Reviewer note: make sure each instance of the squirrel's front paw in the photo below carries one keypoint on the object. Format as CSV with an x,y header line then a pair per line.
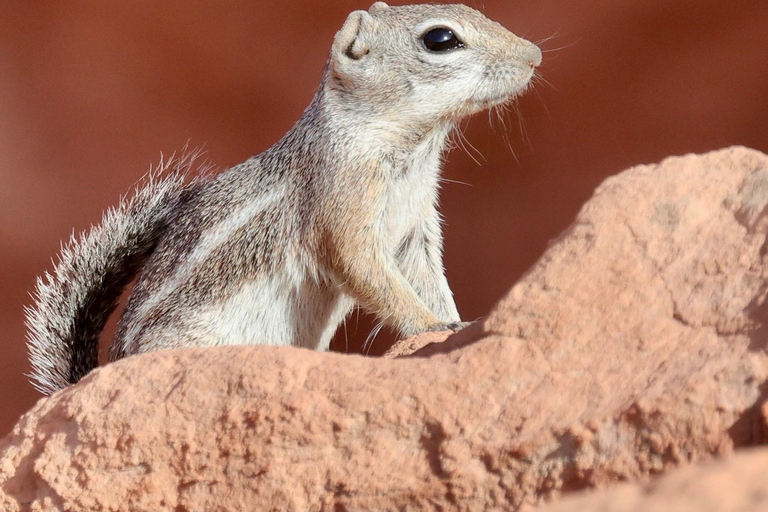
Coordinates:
x,y
450,326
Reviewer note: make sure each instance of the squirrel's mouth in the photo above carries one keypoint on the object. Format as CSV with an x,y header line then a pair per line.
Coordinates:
x,y
507,90
499,90
500,99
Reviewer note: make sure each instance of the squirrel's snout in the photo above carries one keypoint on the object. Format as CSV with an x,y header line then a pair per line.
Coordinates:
x,y
533,56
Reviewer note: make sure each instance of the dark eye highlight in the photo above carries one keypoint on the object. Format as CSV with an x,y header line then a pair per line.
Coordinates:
x,y
441,39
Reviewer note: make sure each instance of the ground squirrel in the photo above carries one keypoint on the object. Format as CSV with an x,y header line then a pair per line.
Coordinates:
x,y
279,249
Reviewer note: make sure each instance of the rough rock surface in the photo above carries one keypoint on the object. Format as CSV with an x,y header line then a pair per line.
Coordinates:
x,y
736,484
635,345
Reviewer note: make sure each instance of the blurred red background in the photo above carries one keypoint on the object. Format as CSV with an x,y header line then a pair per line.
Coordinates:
x,y
91,92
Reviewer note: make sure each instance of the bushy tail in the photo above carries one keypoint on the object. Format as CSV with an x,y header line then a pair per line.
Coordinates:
x,y
72,304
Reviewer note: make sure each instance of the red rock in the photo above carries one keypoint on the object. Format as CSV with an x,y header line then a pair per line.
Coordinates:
x,y
637,344
736,484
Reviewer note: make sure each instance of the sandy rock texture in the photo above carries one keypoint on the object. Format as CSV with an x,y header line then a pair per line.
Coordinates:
x,y
636,345
736,484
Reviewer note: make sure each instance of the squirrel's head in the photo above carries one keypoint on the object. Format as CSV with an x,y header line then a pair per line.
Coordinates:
x,y
426,63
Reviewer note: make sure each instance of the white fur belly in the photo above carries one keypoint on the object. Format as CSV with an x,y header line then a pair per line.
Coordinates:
x,y
274,311
259,313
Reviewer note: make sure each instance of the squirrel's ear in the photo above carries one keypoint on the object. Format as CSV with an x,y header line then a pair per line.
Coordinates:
x,y
377,8
351,41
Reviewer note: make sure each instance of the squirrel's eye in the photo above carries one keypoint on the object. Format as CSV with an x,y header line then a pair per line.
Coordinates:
x,y
441,39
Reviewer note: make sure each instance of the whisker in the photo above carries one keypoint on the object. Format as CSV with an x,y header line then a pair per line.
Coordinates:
x,y
540,79
521,124
368,344
546,39
462,142
503,110
346,338
468,143
446,180
541,99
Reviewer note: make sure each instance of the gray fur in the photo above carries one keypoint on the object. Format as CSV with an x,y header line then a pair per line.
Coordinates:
x,y
341,211
73,303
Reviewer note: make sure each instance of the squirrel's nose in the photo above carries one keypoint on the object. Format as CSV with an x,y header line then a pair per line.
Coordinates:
x,y
533,56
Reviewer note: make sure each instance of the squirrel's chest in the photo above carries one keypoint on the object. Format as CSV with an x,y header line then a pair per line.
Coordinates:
x,y
412,191
410,200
